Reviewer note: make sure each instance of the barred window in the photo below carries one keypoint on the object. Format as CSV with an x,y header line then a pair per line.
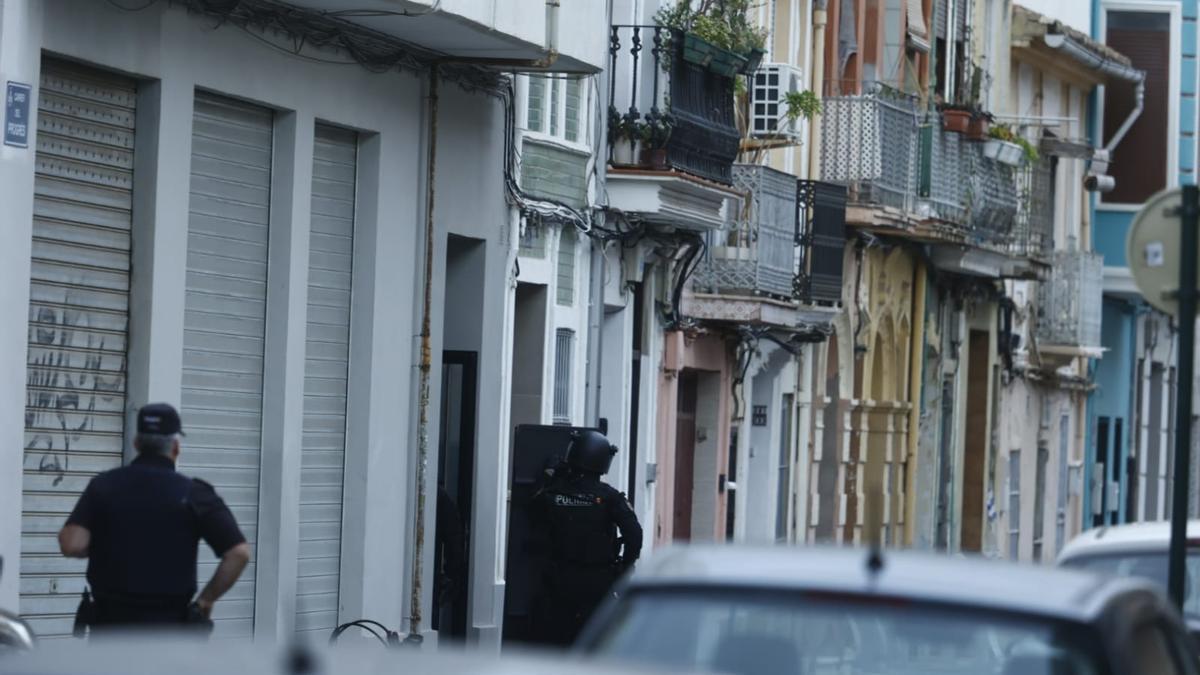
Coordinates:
x,y
564,348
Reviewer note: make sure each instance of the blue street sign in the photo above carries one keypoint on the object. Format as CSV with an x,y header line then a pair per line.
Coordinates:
x,y
16,115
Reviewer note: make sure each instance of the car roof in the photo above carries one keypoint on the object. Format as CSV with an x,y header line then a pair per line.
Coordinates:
x,y
157,654
1151,536
968,582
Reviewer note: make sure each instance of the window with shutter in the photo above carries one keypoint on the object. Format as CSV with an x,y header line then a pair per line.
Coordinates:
x,y
1139,163
566,267
916,19
821,232
564,346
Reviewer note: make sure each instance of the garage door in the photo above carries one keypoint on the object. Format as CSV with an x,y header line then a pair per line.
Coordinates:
x,y
327,358
78,316
225,317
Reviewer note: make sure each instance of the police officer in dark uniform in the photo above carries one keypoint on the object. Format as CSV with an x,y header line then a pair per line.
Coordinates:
x,y
582,515
140,525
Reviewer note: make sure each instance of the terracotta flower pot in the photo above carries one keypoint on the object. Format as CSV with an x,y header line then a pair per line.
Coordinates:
x,y
977,130
655,158
957,121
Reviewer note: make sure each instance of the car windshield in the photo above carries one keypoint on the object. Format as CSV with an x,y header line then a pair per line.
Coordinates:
x,y
752,633
1150,565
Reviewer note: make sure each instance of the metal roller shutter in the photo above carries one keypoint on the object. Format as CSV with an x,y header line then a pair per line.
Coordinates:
x,y
225,321
327,359
78,318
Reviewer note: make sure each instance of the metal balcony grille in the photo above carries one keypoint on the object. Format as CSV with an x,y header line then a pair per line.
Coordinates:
x,y
821,236
993,201
1033,229
1069,302
650,79
787,243
969,195
756,255
869,143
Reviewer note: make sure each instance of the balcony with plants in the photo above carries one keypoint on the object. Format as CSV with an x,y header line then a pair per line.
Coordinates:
x,y
673,133
944,174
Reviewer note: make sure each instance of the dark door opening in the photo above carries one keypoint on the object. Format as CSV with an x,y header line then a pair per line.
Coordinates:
x,y
635,382
685,456
1100,470
976,442
456,484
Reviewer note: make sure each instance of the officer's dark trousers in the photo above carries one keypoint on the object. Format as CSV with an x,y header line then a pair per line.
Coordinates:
x,y
575,593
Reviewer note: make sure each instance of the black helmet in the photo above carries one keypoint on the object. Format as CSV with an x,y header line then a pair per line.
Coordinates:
x,y
590,451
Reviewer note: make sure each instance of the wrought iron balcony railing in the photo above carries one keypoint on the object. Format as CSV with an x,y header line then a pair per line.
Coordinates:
x,y
651,82
787,242
869,143
1069,302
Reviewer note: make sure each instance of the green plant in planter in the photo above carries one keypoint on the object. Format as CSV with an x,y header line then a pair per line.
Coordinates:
x,y
655,133
722,23
1005,132
618,126
802,104
1002,132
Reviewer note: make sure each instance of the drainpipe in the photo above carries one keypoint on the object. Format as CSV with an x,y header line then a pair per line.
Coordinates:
x,y
1109,67
820,17
414,627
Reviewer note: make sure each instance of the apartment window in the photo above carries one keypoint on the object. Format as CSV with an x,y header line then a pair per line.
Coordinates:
x,y
557,107
566,266
1139,163
564,348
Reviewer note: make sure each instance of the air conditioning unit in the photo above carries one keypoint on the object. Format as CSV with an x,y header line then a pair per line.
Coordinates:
x,y
769,88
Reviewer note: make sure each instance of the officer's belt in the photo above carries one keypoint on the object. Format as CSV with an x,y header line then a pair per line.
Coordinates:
x,y
140,600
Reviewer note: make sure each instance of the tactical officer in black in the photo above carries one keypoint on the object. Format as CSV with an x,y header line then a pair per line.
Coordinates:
x,y
582,515
140,525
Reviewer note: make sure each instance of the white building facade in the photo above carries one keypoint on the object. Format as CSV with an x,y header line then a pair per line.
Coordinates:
x,y
236,221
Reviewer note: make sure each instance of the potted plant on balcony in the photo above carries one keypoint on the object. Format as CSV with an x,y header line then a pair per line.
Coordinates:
x,y
979,126
717,34
625,138
655,134
956,118
1007,147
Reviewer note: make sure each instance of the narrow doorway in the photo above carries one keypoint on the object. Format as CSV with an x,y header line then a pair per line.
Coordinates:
x,y
685,455
529,354
635,384
1100,471
456,473
975,442
462,330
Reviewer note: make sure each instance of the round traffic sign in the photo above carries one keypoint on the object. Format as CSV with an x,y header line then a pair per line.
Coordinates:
x,y
1152,249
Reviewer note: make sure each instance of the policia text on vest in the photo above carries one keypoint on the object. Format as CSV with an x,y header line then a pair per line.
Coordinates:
x,y
140,526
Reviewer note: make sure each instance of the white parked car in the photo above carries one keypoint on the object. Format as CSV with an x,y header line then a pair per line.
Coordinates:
x,y
166,654
817,611
1139,549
